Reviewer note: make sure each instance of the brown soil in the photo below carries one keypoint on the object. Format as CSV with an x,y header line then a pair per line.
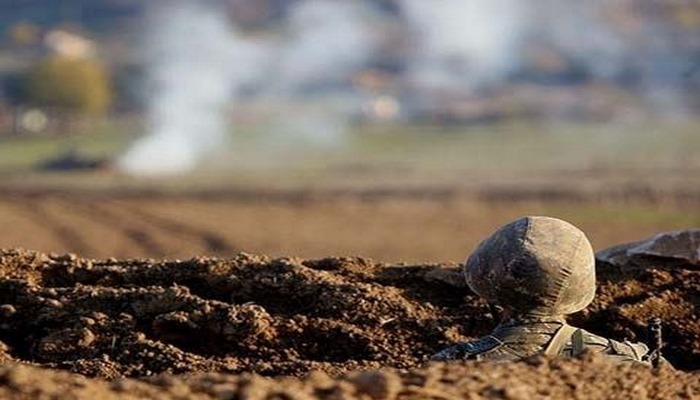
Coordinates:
x,y
415,226
586,378
222,319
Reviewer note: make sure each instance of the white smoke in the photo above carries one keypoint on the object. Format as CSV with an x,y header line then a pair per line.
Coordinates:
x,y
325,42
197,65
194,62
463,43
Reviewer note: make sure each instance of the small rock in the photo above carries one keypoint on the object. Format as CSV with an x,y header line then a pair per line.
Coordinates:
x,y
679,245
7,310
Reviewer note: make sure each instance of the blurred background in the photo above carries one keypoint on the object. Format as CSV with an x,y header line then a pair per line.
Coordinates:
x,y
403,130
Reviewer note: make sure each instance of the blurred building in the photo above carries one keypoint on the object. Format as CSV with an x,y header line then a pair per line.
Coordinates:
x,y
69,44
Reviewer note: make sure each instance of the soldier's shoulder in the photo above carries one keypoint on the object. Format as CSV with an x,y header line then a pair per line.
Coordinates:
x,y
468,350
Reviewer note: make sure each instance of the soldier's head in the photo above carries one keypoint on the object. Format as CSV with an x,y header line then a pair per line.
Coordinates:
x,y
537,266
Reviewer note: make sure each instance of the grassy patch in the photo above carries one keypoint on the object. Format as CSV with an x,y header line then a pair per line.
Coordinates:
x,y
21,153
505,154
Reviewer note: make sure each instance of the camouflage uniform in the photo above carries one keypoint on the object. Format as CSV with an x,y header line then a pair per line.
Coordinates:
x,y
539,269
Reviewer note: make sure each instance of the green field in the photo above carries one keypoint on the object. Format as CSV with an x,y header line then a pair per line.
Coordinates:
x,y
658,155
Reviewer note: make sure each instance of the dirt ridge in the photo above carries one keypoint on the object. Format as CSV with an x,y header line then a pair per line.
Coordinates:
x,y
118,319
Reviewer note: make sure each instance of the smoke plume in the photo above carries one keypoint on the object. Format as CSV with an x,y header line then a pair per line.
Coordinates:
x,y
198,64
463,43
325,43
191,61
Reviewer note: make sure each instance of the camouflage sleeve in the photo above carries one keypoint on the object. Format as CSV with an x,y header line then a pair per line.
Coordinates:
x,y
467,350
456,352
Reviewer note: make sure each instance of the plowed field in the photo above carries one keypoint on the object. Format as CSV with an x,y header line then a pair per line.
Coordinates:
x,y
392,226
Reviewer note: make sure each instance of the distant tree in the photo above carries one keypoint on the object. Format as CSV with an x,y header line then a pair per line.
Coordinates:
x,y
24,34
80,86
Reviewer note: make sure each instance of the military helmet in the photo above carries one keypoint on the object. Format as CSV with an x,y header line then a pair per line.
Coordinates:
x,y
536,266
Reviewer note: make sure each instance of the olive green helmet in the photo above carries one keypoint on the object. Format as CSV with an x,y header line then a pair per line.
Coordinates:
x,y
536,266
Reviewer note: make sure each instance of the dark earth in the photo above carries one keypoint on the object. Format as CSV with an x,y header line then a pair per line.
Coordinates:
x,y
253,327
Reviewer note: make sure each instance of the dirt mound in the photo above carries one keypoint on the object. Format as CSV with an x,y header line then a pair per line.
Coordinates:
x,y
587,378
138,318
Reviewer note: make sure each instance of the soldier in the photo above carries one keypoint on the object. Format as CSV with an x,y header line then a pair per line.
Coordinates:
x,y
538,269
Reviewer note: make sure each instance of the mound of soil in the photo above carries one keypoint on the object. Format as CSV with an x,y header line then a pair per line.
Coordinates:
x,y
587,378
119,319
